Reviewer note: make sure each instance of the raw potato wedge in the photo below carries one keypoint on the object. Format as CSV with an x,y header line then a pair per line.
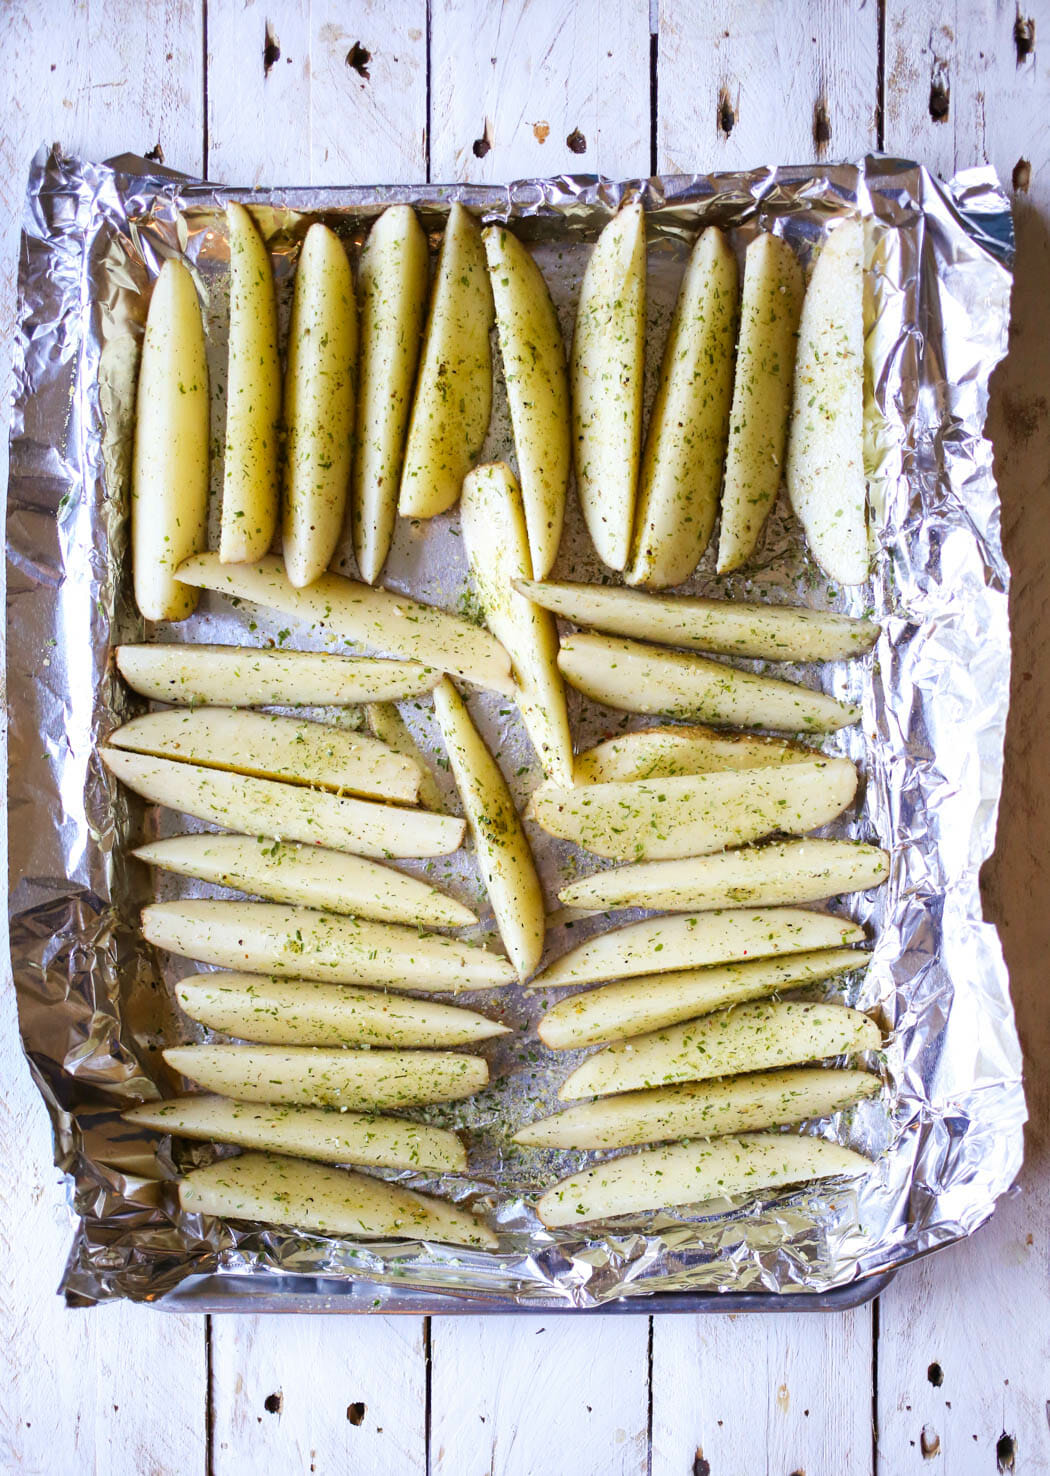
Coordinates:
x,y
664,753
453,401
634,677
765,368
169,472
691,941
285,871
342,609
305,1012
660,819
267,807
825,457
494,534
748,1037
652,1001
253,397
392,281
311,1077
309,1132
725,627
318,405
249,676
311,1196
390,728
692,1173
686,445
737,1104
274,939
504,858
784,871
607,369
537,382
273,747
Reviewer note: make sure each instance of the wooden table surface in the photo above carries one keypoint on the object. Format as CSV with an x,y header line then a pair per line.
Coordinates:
x,y
950,1369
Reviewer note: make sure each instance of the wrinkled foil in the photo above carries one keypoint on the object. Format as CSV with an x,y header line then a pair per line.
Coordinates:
x,y
96,1004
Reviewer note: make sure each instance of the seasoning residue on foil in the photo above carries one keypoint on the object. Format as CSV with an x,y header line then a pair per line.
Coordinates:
x,y
96,1004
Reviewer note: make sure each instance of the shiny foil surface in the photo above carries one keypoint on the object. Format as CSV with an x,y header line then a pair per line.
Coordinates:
x,y
96,1004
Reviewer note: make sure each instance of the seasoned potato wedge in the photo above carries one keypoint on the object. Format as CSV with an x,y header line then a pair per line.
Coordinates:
x,y
692,1173
494,533
537,389
825,457
253,397
647,1002
311,1196
392,280
341,609
657,819
755,876
663,753
748,1037
634,677
390,728
305,1012
273,747
308,1132
285,811
453,401
169,472
285,871
691,941
503,853
686,445
607,369
275,939
710,1109
765,370
318,405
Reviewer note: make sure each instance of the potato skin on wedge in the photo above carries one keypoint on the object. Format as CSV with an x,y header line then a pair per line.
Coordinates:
x,y
664,753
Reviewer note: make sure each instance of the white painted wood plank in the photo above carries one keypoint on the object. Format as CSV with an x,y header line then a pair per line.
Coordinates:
x,y
524,89
743,83
259,92
521,1396
325,1395
964,1338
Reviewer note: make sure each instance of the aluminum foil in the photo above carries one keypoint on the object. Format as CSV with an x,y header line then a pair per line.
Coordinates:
x,y
96,1004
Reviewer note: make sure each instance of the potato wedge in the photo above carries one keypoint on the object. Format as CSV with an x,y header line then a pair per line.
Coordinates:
x,y
753,876
693,940
735,1104
494,534
319,381
250,488
503,854
169,472
272,747
607,370
278,940
312,1077
748,1037
663,753
285,871
453,401
689,424
693,1173
724,627
392,280
308,1132
311,1196
267,807
305,1012
825,456
389,727
765,369
342,609
658,819
537,381
634,677
250,676
648,1002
